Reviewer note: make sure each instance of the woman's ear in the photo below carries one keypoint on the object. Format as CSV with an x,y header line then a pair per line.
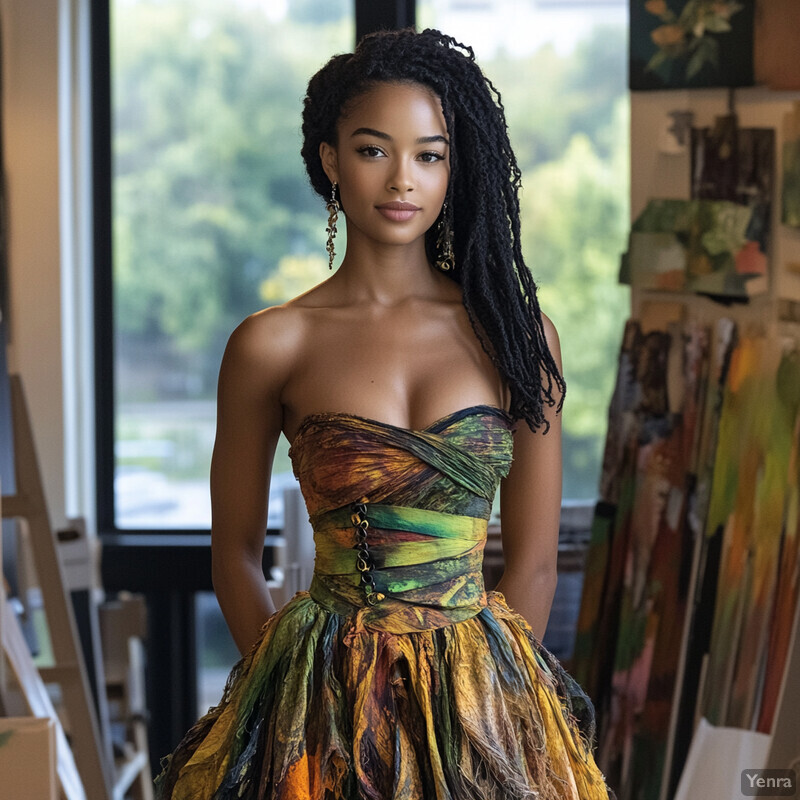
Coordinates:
x,y
330,161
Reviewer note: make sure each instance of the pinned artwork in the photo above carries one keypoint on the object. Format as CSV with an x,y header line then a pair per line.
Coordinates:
x,y
738,165
702,246
679,44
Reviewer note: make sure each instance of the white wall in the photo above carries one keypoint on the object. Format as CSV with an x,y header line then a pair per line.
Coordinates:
x,y
31,132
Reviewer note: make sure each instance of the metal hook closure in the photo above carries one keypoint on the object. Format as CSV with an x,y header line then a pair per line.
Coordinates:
x,y
358,518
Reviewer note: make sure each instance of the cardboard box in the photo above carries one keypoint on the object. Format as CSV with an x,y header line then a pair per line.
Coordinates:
x,y
28,759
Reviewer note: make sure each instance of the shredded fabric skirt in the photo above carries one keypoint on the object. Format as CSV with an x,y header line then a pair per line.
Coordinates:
x,y
323,709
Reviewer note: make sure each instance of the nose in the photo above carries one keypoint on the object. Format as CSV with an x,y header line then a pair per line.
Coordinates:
x,y
400,179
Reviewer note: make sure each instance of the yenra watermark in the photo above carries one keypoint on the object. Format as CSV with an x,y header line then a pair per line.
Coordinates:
x,y
769,782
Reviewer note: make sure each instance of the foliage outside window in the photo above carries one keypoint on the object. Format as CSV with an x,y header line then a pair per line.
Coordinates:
x,y
213,219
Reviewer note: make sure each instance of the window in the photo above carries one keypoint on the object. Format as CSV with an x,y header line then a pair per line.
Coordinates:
x,y
213,219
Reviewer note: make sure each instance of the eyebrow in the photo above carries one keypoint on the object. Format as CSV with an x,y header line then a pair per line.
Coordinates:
x,y
381,135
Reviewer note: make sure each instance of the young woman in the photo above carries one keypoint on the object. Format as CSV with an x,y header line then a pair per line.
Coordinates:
x,y
411,383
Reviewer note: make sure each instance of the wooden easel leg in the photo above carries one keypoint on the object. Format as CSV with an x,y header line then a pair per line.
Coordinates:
x,y
70,670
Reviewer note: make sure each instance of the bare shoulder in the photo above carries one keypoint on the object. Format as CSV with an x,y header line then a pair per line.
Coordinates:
x,y
553,342
550,332
266,343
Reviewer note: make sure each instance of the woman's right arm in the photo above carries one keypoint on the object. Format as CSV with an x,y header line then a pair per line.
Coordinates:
x,y
249,421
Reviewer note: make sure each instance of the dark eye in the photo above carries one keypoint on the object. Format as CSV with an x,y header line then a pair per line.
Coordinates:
x,y
431,156
370,151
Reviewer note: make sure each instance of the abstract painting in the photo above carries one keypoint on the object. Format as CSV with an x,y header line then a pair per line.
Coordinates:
x,y
634,605
754,502
695,550
708,247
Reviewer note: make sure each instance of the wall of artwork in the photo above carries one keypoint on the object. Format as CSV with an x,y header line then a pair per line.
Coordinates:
x,y
691,589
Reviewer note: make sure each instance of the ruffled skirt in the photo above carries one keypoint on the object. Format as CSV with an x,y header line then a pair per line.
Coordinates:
x,y
324,708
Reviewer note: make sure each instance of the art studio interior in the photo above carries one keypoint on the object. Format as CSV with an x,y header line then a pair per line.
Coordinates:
x,y
152,196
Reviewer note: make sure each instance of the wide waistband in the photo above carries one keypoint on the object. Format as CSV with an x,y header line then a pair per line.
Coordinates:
x,y
400,568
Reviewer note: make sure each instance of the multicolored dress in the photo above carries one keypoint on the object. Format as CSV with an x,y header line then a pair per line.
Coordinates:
x,y
396,676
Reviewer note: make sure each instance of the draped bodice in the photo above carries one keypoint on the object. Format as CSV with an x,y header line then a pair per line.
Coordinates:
x,y
400,515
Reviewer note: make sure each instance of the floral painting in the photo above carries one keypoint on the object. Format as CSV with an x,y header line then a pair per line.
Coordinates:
x,y
678,44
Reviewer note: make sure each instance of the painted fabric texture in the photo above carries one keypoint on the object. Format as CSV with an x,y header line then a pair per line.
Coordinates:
x,y
396,676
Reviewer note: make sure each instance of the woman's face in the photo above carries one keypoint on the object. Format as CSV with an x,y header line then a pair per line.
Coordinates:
x,y
392,163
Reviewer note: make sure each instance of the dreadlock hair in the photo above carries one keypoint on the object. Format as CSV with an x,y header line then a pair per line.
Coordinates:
x,y
498,290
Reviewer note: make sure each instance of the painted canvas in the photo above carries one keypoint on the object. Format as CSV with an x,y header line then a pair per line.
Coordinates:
x,y
738,165
708,247
702,592
654,588
752,491
679,44
787,589
637,591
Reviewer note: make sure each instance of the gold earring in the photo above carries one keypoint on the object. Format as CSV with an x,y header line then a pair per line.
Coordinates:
x,y
333,215
444,243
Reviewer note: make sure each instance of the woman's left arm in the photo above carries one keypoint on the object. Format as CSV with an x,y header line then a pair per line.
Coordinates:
x,y
530,512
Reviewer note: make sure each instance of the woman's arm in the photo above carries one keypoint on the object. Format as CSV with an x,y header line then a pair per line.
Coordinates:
x,y
530,511
249,420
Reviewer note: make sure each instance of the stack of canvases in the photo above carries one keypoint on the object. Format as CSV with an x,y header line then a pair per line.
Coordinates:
x,y
692,573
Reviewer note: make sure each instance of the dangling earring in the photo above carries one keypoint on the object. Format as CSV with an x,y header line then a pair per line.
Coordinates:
x,y
444,243
333,215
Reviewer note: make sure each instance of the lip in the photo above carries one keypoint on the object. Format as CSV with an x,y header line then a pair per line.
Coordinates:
x,y
398,211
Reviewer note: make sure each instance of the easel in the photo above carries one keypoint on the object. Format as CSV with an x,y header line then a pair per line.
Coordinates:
x,y
37,700
29,506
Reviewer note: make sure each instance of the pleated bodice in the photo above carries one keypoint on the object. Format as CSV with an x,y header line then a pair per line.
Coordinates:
x,y
400,515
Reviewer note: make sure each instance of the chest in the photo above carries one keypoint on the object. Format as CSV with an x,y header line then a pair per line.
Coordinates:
x,y
405,368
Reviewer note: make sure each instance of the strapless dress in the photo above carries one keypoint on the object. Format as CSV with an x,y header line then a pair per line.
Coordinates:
x,y
396,676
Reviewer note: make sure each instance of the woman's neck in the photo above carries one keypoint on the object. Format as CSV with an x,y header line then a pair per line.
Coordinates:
x,y
386,274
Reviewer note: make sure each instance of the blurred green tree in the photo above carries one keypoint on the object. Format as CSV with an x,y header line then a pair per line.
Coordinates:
x,y
209,189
